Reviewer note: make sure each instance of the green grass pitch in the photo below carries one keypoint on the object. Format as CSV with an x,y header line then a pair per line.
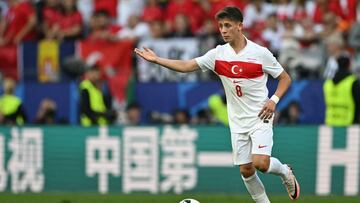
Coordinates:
x,y
168,198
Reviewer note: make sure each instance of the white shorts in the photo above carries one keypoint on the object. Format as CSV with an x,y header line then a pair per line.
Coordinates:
x,y
256,141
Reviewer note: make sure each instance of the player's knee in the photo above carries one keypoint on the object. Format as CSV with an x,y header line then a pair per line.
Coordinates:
x,y
262,165
247,170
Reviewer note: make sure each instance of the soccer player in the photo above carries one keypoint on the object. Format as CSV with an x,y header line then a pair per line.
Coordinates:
x,y
243,68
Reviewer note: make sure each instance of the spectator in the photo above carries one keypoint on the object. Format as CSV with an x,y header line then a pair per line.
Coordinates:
x,y
216,5
102,29
344,10
285,10
354,42
152,11
299,10
320,9
191,9
181,116
342,96
301,51
11,109
70,25
95,110
133,114
86,8
46,113
330,26
157,29
255,15
273,34
257,12
290,115
109,6
126,8
181,27
19,23
61,20
335,46
203,117
306,32
217,105
50,17
209,36
135,29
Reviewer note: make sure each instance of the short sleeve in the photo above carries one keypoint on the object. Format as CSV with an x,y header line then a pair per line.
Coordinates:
x,y
271,65
207,61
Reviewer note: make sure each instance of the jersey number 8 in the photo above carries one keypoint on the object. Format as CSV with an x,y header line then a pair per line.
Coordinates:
x,y
238,90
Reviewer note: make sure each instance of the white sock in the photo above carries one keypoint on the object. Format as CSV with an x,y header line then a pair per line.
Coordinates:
x,y
277,168
256,189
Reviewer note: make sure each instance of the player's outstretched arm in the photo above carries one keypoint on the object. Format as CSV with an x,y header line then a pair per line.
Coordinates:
x,y
183,66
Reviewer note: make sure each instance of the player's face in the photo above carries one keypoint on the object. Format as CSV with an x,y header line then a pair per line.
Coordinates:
x,y
230,30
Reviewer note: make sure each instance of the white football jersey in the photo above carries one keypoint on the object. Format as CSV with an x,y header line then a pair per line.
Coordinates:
x,y
244,76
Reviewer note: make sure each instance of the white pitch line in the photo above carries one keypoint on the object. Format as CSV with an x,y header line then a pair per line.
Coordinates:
x,y
215,159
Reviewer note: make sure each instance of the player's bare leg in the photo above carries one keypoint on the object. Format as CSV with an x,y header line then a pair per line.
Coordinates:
x,y
253,183
267,164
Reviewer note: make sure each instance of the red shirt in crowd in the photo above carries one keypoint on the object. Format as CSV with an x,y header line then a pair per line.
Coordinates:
x,y
152,13
300,14
217,5
189,8
112,29
348,13
51,16
17,17
108,5
70,20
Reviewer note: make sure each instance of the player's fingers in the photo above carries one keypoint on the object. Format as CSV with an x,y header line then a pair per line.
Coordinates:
x,y
266,120
269,115
140,53
263,115
261,112
137,50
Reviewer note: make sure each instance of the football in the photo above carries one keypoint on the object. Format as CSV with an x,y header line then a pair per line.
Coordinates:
x,y
189,201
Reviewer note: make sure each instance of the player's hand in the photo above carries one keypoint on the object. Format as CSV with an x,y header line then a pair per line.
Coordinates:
x,y
268,110
147,54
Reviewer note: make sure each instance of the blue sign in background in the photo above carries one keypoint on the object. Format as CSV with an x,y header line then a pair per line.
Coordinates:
x,y
166,97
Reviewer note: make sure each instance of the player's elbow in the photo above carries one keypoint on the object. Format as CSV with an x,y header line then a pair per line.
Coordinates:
x,y
189,66
184,70
285,77
288,78
187,70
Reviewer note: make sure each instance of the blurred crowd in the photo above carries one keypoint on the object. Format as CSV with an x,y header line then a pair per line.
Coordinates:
x,y
307,36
